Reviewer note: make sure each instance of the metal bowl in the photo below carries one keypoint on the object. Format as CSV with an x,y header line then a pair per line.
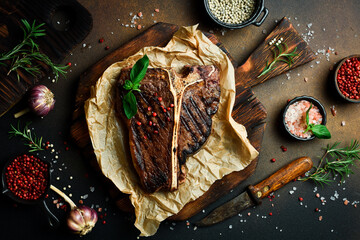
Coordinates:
x,y
260,8
336,82
314,102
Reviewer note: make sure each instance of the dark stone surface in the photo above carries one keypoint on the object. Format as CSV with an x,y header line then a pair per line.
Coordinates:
x,y
290,220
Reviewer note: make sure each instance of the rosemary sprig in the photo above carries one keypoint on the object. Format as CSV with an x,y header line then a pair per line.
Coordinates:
x,y
32,141
282,55
25,54
341,161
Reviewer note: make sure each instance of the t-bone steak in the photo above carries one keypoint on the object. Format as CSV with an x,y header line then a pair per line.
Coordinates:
x,y
173,121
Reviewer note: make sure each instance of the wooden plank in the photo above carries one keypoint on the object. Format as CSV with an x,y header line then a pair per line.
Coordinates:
x,y
251,69
56,44
245,103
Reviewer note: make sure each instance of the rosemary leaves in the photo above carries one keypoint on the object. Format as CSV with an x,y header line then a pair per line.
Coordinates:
x,y
281,55
335,160
32,141
26,55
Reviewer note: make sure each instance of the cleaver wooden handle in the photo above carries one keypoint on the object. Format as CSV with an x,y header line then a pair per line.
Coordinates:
x,y
280,178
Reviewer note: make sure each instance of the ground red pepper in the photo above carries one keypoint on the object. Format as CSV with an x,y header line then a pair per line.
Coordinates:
x,y
348,78
27,177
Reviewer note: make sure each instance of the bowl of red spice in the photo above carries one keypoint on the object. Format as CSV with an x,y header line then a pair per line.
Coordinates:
x,y
304,118
236,13
26,179
347,78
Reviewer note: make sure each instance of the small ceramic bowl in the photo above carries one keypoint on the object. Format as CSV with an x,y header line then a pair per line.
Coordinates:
x,y
316,103
260,8
336,82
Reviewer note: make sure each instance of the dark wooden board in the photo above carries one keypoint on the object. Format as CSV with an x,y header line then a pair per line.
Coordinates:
x,y
247,109
67,23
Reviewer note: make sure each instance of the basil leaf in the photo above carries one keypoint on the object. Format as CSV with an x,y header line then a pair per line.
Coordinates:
x,y
128,85
139,70
307,114
320,131
130,105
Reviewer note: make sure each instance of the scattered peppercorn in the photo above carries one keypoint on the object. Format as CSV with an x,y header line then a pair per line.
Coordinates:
x,y
107,48
138,123
156,131
283,148
160,99
154,114
333,110
301,199
171,105
69,64
273,160
101,40
316,209
156,10
138,27
270,214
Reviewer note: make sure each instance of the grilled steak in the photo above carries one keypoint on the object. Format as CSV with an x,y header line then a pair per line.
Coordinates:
x,y
173,121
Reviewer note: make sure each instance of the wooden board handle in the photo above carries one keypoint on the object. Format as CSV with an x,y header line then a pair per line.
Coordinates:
x,y
280,178
247,74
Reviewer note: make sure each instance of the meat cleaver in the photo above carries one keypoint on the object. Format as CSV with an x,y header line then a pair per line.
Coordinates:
x,y
253,195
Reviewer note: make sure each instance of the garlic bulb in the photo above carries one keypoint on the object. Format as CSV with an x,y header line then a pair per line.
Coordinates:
x,y
82,219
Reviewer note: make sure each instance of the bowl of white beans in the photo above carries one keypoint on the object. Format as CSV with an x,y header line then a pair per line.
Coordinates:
x,y
236,13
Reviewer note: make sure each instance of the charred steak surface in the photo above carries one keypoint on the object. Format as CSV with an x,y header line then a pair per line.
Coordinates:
x,y
172,122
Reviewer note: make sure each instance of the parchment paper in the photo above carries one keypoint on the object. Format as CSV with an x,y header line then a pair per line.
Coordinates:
x,y
226,150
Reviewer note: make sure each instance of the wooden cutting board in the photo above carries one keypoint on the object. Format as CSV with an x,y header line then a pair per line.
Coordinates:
x,y
247,110
67,23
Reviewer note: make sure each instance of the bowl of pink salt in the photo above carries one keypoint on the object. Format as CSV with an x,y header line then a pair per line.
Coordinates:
x,y
294,117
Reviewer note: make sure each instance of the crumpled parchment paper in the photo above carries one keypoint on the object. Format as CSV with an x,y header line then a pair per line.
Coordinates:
x,y
226,150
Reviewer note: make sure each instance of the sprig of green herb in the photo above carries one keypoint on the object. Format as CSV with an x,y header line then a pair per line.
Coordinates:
x,y
319,130
32,141
281,55
136,75
341,160
25,54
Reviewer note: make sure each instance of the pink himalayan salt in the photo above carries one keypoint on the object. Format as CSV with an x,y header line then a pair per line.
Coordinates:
x,y
295,118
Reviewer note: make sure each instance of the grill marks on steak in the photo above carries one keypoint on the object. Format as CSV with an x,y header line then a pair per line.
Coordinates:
x,y
150,142
199,104
180,132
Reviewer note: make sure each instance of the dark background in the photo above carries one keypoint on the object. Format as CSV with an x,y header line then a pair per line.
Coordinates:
x,y
335,25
